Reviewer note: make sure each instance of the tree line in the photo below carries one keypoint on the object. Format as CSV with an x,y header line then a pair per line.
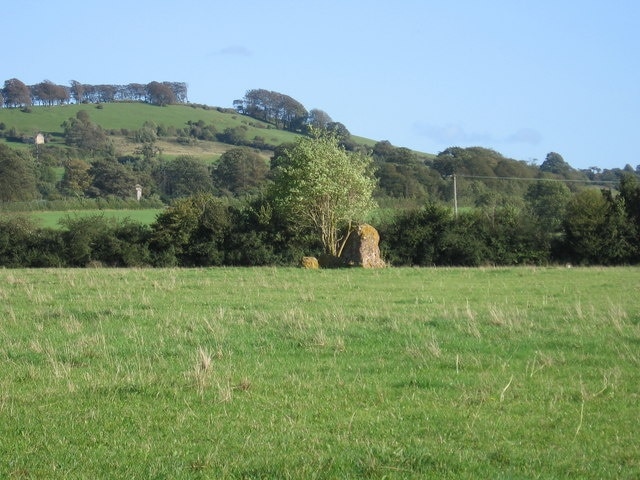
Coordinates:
x,y
16,94
595,228
275,221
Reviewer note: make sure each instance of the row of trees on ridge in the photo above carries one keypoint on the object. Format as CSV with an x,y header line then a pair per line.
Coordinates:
x,y
16,94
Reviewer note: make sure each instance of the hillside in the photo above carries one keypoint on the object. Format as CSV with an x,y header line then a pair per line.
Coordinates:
x,y
119,119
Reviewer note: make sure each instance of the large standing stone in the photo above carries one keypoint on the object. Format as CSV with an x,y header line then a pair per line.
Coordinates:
x,y
362,248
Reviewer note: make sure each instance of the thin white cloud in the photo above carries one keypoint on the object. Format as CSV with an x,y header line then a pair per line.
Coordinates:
x,y
454,134
235,50
529,136
450,134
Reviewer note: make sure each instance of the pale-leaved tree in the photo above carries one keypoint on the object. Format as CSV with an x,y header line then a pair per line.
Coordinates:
x,y
321,185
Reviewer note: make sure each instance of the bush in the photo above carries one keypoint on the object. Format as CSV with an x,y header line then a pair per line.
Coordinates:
x,y
106,241
23,244
416,237
191,232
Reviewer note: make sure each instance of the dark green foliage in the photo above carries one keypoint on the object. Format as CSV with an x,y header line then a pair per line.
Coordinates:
x,y
464,244
76,179
416,237
548,203
80,132
17,175
234,135
192,232
240,171
597,230
630,194
401,174
182,177
201,131
554,163
97,240
111,178
23,244
261,235
484,176
432,236
511,237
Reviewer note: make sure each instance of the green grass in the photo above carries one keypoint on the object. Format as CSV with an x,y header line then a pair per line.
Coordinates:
x,y
132,116
288,373
51,219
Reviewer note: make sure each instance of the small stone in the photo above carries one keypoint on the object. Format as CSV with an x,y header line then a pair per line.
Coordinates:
x,y
310,263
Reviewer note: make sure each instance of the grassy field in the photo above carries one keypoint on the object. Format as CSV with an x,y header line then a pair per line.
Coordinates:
x,y
132,116
51,219
288,373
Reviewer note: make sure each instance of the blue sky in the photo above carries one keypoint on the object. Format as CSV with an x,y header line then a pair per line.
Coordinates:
x,y
522,77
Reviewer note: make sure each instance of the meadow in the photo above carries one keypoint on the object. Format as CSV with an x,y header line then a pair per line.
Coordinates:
x,y
132,116
289,373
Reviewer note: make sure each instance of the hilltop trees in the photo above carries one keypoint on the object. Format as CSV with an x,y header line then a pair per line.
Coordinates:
x,y
48,93
160,94
321,185
16,94
401,174
319,119
273,107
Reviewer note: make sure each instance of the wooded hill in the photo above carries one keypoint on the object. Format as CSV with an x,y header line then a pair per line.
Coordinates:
x,y
131,132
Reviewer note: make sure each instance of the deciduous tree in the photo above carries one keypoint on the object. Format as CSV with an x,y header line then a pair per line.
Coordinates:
x,y
76,179
182,177
80,132
547,200
17,175
160,94
323,186
240,171
16,93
